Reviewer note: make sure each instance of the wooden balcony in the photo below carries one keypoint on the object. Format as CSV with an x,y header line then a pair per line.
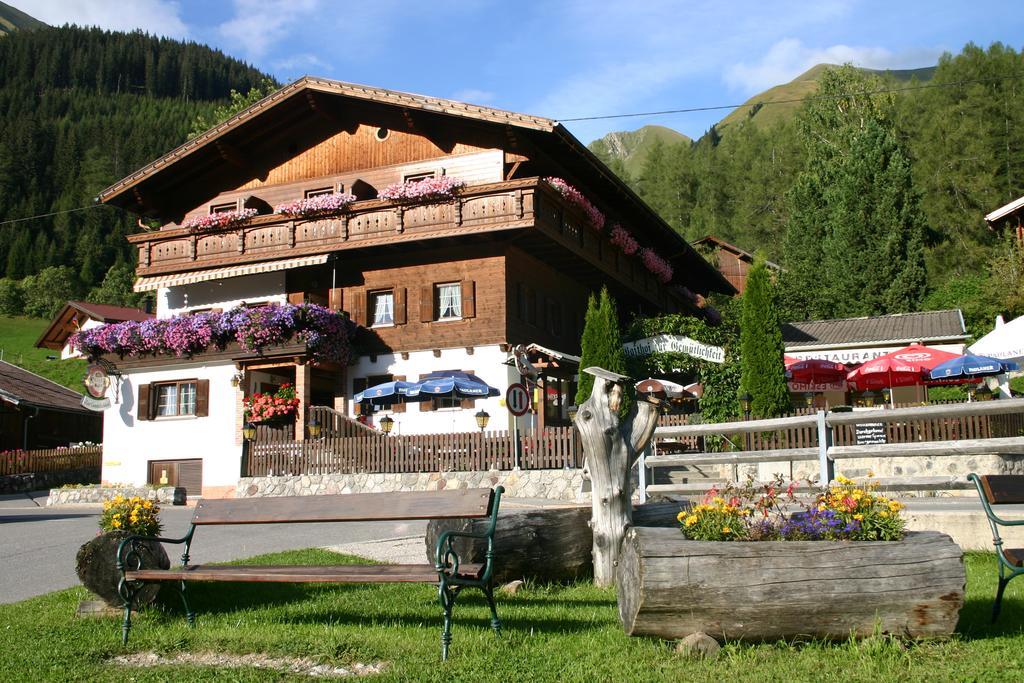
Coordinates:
x,y
551,227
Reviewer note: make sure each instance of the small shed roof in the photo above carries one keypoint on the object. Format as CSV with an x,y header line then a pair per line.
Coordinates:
x,y
69,319
898,328
1005,211
21,387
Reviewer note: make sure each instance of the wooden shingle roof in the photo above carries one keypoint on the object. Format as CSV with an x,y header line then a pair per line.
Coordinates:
x,y
21,387
900,328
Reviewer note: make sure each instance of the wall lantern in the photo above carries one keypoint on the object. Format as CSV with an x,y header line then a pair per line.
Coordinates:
x,y
386,424
482,418
869,399
983,393
746,401
248,431
809,398
237,378
572,410
314,428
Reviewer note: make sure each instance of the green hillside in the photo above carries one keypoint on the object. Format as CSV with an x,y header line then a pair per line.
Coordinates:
x,y
17,346
12,19
633,147
788,96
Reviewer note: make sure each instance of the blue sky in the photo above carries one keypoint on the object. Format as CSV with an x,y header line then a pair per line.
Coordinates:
x,y
567,59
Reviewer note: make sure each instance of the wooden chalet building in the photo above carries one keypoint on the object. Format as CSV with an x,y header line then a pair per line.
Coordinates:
x,y
83,315
732,262
433,285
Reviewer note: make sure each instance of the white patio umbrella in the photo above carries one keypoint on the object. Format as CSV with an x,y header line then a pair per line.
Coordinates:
x,y
1005,342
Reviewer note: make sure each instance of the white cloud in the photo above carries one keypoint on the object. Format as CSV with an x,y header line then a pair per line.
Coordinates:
x,y
301,64
259,24
159,17
788,58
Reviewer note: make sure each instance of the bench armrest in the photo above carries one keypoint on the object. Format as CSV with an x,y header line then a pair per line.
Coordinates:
x,y
129,542
447,560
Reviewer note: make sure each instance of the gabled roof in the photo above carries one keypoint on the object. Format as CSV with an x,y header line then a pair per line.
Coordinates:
x,y
311,100
1004,211
713,241
67,320
881,330
24,388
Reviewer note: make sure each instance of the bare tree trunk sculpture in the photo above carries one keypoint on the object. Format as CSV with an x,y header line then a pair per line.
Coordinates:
x,y
611,449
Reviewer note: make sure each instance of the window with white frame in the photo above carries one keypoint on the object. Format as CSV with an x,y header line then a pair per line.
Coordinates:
x,y
448,301
382,305
175,399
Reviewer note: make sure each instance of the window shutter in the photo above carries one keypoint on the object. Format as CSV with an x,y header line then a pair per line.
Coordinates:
x,y
359,307
400,297
426,303
142,409
399,407
335,299
202,398
467,403
296,298
427,405
468,299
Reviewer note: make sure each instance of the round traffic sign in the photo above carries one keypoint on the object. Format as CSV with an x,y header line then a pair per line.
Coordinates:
x,y
517,399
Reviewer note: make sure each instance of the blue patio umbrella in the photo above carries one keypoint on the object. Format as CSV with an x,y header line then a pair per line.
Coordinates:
x,y
970,366
454,382
389,393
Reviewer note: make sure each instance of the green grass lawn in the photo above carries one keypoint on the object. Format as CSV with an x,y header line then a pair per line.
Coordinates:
x,y
551,633
17,340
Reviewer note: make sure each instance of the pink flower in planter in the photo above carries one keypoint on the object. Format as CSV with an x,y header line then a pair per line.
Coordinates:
x,y
569,193
313,206
222,219
657,265
438,189
623,239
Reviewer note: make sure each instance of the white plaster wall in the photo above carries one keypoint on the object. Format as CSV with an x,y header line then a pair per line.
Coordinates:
x,y
129,444
67,351
487,362
224,294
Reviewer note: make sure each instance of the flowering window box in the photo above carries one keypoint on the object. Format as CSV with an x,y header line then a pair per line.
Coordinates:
x,y
318,205
442,189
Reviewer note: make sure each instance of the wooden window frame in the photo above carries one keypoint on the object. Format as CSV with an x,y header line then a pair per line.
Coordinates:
x,y
371,307
321,191
223,207
149,399
437,301
418,176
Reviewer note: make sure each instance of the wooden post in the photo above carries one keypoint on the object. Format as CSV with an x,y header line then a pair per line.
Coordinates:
x,y
611,449
303,387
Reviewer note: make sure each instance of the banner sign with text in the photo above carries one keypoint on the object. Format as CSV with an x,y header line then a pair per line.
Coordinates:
x,y
668,343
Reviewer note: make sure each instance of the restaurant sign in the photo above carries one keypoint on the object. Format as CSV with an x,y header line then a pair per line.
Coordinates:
x,y
857,356
96,384
668,343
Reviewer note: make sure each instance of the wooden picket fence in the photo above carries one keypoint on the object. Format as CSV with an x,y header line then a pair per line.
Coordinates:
x,y
553,448
50,460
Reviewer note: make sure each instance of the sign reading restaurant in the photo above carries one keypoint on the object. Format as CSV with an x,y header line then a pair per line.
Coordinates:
x,y
668,343
857,356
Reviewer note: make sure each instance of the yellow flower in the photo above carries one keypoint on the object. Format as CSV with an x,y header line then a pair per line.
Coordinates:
x,y
718,501
821,508
884,514
895,506
116,524
858,517
691,520
871,473
843,480
726,530
681,515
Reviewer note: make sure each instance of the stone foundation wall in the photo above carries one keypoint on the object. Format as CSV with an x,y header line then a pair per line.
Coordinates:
x,y
562,484
95,495
35,481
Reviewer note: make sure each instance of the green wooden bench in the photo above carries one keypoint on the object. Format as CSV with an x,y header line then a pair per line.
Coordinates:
x,y
448,572
1002,489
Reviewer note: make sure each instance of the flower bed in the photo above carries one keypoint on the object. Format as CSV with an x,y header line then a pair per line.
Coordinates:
x,y
326,333
223,219
316,206
441,189
772,567
657,265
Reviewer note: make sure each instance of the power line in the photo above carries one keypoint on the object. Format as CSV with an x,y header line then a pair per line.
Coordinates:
x,y
689,110
48,215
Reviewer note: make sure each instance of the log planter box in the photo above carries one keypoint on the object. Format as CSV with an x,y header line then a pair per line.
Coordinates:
x,y
670,587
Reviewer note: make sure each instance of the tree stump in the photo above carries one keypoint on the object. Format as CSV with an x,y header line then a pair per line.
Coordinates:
x,y
96,565
670,587
543,545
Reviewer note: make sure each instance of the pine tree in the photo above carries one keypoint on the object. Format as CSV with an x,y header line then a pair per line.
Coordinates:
x,y
855,240
763,375
601,342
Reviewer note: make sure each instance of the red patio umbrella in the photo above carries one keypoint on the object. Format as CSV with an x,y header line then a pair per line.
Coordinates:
x,y
901,368
815,371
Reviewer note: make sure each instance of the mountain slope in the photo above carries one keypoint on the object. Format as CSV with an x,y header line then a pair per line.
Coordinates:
x,y
632,147
788,96
13,19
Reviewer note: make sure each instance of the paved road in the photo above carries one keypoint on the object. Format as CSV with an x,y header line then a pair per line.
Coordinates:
x,y
38,544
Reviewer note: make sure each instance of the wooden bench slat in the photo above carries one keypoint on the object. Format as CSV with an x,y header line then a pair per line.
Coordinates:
x,y
354,507
349,573
1003,488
